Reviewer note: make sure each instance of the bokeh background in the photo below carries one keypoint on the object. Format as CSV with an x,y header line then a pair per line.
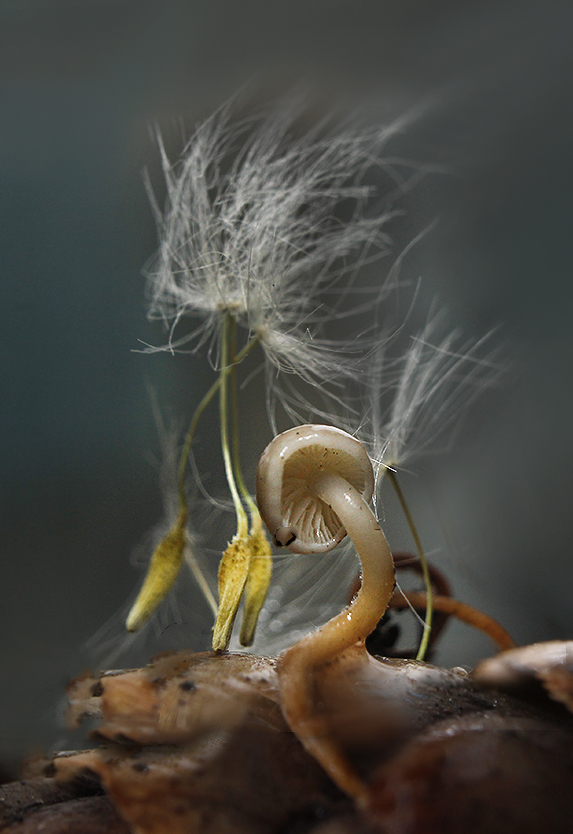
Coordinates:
x,y
82,85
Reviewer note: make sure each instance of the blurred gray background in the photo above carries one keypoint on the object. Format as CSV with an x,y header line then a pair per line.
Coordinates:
x,y
81,84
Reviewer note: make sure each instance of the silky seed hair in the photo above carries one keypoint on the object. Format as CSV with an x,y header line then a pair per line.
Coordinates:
x,y
269,221
418,394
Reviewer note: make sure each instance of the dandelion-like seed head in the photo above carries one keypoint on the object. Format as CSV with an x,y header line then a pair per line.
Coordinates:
x,y
260,219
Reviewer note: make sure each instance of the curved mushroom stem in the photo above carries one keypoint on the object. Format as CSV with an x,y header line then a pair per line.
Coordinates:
x,y
297,665
378,577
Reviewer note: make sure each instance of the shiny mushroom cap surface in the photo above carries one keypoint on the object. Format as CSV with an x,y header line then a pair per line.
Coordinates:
x,y
295,516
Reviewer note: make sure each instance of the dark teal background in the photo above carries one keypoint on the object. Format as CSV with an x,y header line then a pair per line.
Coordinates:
x,y
81,84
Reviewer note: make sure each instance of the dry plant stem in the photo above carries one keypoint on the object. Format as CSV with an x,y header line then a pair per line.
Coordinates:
x,y
260,564
199,413
235,442
234,565
423,648
461,610
174,547
226,366
299,663
200,579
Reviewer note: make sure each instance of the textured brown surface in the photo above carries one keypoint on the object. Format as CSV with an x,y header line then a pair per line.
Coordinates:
x,y
197,744
478,774
92,815
19,800
253,780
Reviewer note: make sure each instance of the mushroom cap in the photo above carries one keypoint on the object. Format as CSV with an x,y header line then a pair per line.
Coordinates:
x,y
295,516
515,668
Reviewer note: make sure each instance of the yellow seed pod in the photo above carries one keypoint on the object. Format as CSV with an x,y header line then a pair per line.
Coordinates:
x,y
233,571
257,585
161,574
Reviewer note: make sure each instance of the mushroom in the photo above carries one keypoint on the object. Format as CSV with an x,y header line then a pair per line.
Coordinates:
x,y
515,670
313,488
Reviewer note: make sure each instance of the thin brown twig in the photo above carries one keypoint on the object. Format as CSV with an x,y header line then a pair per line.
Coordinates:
x,y
461,610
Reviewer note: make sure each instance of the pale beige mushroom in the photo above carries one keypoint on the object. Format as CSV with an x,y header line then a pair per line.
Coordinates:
x,y
313,488
550,663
